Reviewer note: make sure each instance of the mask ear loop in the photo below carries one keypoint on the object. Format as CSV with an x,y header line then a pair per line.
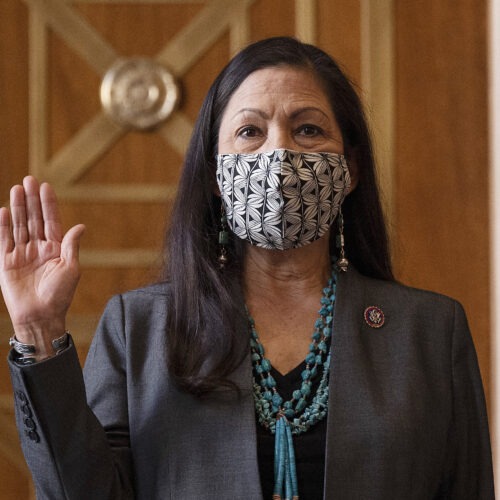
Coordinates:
x,y
342,263
222,258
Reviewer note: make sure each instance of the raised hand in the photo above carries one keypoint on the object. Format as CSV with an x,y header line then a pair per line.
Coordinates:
x,y
39,268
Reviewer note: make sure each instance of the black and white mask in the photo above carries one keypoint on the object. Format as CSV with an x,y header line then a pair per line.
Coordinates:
x,y
282,199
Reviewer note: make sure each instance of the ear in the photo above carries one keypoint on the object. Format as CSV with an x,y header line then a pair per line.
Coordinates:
x,y
354,173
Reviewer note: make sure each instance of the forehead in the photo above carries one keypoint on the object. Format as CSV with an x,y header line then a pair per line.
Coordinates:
x,y
282,85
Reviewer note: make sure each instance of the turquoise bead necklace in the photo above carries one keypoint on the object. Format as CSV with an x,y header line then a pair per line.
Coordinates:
x,y
293,417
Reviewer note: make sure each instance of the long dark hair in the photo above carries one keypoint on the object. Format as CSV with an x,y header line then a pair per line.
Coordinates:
x,y
206,338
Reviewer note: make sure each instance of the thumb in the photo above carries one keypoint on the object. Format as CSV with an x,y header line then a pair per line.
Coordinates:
x,y
70,245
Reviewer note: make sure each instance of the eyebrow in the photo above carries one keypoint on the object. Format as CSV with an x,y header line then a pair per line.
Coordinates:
x,y
295,114
306,109
252,110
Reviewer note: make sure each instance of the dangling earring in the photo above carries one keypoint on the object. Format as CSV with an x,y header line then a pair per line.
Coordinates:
x,y
342,263
222,259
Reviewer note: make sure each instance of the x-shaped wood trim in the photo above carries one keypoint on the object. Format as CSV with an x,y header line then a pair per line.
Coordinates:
x,y
95,137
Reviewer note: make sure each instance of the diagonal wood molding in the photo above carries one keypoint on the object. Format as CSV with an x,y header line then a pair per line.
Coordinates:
x,y
98,135
79,154
193,41
76,32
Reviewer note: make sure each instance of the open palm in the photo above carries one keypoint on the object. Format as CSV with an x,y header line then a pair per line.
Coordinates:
x,y
39,268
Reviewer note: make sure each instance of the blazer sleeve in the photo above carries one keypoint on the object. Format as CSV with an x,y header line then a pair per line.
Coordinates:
x,y
470,472
69,452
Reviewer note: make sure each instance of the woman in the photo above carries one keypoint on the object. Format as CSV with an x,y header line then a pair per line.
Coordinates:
x,y
376,396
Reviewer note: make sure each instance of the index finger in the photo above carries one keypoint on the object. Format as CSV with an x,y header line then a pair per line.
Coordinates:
x,y
6,240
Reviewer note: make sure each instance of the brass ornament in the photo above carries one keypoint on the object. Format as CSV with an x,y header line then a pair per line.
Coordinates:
x,y
139,93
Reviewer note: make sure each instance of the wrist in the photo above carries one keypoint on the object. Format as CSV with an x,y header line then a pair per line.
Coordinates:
x,y
40,333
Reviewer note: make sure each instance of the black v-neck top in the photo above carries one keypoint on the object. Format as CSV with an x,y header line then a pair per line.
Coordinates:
x,y
309,446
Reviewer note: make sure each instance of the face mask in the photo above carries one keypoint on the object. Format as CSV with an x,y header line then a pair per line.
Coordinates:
x,y
282,199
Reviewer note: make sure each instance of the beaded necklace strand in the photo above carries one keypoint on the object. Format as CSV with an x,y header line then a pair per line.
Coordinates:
x,y
293,417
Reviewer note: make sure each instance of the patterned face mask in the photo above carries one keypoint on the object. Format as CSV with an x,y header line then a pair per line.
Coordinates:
x,y
282,199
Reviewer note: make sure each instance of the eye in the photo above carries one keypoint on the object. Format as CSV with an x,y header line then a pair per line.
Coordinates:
x,y
249,132
309,130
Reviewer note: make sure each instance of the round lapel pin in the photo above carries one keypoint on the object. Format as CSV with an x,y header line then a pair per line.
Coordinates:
x,y
374,317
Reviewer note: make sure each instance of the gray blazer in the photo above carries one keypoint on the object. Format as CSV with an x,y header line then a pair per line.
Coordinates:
x,y
406,417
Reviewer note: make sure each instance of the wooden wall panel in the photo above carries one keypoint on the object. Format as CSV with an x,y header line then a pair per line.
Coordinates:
x,y
13,92
139,28
339,33
73,100
440,208
14,477
275,18
442,156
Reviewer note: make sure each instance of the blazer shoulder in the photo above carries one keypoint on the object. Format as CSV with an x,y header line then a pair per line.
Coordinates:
x,y
136,310
397,288
140,298
401,298
153,290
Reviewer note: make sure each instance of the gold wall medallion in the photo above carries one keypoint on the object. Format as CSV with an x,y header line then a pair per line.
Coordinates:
x,y
139,93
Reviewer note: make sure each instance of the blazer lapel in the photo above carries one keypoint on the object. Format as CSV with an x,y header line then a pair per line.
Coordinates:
x,y
352,386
